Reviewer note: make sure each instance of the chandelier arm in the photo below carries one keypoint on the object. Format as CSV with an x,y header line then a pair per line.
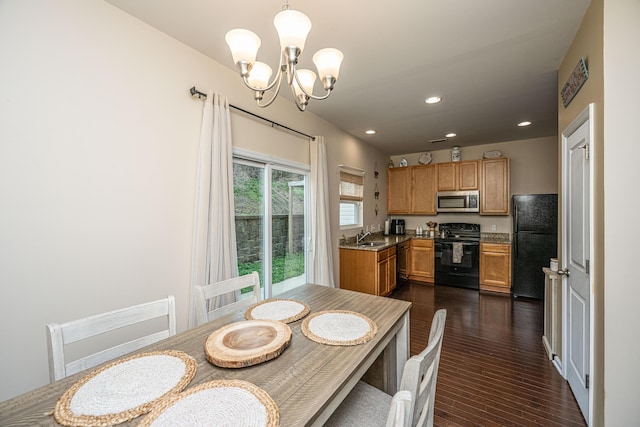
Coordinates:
x,y
275,93
310,95
276,79
296,99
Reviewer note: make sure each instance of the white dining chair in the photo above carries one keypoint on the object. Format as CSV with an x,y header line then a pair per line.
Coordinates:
x,y
420,373
206,306
60,335
368,406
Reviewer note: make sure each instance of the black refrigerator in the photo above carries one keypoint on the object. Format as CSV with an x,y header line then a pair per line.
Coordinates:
x,y
535,241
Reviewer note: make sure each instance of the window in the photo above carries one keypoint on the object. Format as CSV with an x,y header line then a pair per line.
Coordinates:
x,y
351,195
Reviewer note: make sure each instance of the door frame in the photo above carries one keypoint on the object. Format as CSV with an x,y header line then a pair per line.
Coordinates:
x,y
267,164
586,115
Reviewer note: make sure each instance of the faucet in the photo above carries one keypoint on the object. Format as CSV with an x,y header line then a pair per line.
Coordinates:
x,y
360,237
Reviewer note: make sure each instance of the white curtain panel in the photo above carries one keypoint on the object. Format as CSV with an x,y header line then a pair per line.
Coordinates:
x,y
320,245
214,256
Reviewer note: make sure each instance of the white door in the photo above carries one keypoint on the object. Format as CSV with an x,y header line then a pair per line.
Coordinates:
x,y
576,250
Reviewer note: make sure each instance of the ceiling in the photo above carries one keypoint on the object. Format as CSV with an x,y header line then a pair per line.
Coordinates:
x,y
493,62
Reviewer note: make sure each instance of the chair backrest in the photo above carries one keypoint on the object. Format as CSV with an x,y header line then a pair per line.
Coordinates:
x,y
206,309
400,411
421,372
61,334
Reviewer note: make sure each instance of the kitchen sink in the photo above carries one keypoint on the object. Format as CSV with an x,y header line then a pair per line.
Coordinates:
x,y
370,244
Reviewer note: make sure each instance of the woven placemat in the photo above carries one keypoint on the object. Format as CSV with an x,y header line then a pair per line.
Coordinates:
x,y
281,309
125,389
339,327
216,403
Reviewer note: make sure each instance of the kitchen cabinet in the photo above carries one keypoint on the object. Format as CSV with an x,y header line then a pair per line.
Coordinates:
x,y
398,184
495,186
421,260
371,272
423,190
411,190
457,176
495,267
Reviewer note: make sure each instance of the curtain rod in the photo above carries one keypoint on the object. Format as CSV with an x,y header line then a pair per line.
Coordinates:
x,y
201,95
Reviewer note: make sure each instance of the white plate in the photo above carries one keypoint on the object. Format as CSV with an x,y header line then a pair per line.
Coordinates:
x,y
492,154
425,159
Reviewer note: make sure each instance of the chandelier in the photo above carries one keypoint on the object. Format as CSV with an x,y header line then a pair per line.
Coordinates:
x,y
293,28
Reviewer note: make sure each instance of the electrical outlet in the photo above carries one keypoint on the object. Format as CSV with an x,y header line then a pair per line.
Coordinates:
x,y
493,227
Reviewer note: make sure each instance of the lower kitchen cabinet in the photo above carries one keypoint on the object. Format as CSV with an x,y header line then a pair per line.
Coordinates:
x,y
371,272
495,267
420,258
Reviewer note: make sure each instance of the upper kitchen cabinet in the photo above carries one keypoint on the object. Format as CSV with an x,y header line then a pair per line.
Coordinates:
x,y
398,183
454,176
423,190
495,191
411,190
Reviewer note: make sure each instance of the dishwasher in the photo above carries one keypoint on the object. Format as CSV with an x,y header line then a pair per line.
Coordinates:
x,y
401,256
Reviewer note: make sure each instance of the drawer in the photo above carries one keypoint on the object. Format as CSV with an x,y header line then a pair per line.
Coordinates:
x,y
392,250
423,243
382,255
495,247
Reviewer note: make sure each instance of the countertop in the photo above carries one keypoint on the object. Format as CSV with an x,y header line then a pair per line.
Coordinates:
x,y
382,242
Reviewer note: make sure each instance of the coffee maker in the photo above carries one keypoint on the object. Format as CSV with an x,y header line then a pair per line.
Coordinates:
x,y
397,226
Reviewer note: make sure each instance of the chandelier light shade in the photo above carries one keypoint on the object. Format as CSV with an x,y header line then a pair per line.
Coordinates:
x,y
244,45
293,28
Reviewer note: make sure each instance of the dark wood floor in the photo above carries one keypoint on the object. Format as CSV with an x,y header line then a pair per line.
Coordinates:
x,y
493,368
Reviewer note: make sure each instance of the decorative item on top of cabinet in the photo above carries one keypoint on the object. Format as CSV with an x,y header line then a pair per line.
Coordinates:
x,y
455,153
455,176
495,190
495,267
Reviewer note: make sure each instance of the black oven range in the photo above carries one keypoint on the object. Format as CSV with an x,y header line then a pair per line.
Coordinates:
x,y
457,255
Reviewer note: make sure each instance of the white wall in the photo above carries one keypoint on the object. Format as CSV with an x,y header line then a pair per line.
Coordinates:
x,y
98,149
621,154
534,170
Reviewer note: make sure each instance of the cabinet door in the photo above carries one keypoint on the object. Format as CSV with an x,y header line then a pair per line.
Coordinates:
x,y
392,273
422,261
447,176
468,175
423,190
495,191
495,267
383,279
398,187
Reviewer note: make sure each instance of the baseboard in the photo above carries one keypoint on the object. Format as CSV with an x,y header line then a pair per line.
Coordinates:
x,y
558,364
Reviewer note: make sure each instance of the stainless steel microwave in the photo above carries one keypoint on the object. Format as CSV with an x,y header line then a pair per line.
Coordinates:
x,y
458,201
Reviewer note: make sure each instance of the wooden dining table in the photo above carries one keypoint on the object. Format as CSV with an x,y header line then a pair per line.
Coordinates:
x,y
308,381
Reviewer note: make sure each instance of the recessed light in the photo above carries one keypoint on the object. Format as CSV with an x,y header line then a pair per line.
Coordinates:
x,y
433,100
451,135
525,123
370,132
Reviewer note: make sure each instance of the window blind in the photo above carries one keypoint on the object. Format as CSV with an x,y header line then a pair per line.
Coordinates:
x,y
351,187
